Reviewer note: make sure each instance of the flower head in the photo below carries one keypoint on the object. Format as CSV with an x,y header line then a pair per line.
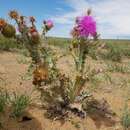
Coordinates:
x,y
32,19
89,11
87,26
14,14
48,24
40,74
22,20
2,23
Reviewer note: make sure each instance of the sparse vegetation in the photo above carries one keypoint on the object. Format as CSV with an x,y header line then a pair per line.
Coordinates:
x,y
114,52
3,100
19,104
9,44
65,92
115,67
125,120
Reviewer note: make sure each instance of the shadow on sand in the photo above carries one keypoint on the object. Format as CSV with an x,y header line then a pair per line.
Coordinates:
x,y
25,122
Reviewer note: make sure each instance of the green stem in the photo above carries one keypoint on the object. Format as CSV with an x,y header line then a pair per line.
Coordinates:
x,y
79,83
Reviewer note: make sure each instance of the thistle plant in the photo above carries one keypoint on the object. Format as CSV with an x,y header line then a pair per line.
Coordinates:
x,y
44,63
81,42
59,93
32,41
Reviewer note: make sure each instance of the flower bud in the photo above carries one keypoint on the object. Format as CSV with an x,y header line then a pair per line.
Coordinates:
x,y
89,11
35,37
32,19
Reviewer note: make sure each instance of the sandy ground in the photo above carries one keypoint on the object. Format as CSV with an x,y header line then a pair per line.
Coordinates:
x,y
11,70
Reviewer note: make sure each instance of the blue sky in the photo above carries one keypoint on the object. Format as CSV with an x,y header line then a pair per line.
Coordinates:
x,y
112,16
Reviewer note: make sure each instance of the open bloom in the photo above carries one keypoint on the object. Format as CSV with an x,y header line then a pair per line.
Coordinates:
x,y
85,26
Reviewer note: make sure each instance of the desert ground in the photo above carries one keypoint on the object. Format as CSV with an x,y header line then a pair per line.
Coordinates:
x,y
112,84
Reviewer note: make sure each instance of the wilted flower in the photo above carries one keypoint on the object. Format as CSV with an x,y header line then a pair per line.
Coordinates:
x,y
32,19
34,35
40,74
14,14
44,22
75,32
89,11
2,23
22,18
22,21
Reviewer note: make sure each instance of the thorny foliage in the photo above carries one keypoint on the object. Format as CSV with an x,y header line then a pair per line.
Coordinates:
x,y
59,93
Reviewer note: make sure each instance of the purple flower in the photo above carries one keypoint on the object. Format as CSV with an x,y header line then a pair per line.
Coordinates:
x,y
87,26
48,24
